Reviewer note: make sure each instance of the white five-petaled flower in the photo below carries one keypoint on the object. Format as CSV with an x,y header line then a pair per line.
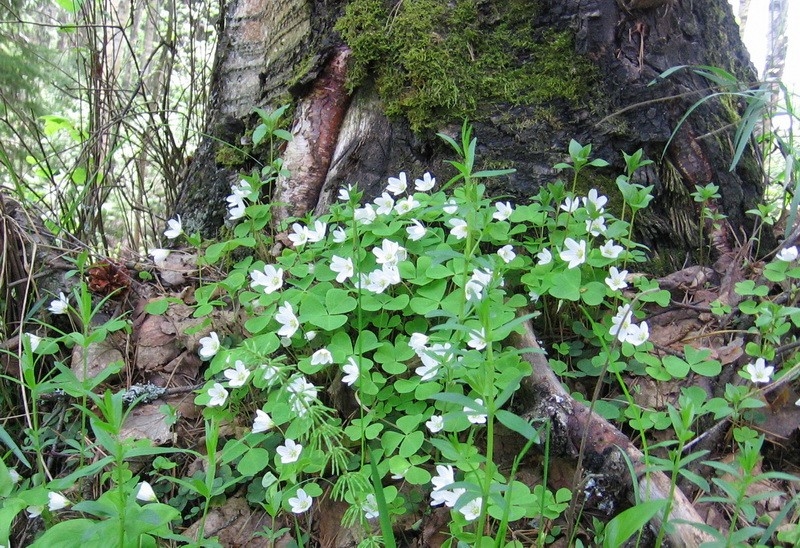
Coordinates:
x,y
477,283
444,478
460,229
544,257
339,235
638,334
59,305
477,339
14,476
616,279
236,205
209,346
759,371
570,204
621,322
34,511
351,371
404,205
610,251
450,207
145,493
473,416
364,215
426,183
321,357
34,341
343,268
270,374
598,201
418,341
384,203
301,394
238,375
432,359
787,254
317,234
575,252
159,255
270,279
56,501
507,253
596,227
390,253
301,502
289,451
217,395
175,228
416,231
435,423
379,280
504,211
472,509
445,475
397,185
299,235
344,193
287,319
370,507
262,422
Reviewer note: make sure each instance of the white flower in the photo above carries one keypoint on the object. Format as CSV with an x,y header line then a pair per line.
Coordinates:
x,y
34,341
145,493
616,279
575,252
59,305
759,372
299,236
318,233
446,496
236,205
385,204
507,253
621,322
14,476
426,183
301,503
175,228
364,215
416,231
339,235
473,416
596,227
610,251
404,205
598,201
262,422
370,507
544,257
472,509
397,185
287,319
238,376
389,253
159,255
477,339
432,358
56,501
504,211
271,374
460,229
271,279
379,280
787,254
289,451
301,394
450,207
638,334
534,296
475,286
570,204
418,341
209,346
351,371
344,193
444,476
343,268
435,424
321,357
218,395
34,511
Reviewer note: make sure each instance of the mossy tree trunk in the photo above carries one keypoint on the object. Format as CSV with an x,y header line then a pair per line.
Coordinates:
x,y
530,76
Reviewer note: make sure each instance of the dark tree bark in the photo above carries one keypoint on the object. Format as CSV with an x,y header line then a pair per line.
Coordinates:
x,y
272,53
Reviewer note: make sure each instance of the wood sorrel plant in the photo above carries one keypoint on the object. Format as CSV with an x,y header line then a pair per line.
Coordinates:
x,y
401,309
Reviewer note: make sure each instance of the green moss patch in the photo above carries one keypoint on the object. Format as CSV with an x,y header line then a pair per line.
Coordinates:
x,y
434,61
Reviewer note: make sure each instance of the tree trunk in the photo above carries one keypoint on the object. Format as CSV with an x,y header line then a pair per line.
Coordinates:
x,y
529,75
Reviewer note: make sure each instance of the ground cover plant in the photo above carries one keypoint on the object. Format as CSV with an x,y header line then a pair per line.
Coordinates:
x,y
364,369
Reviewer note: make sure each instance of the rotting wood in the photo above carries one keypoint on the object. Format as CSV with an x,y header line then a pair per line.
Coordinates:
x,y
573,420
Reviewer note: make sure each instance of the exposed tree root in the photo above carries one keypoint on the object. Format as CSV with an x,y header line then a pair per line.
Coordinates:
x,y
571,421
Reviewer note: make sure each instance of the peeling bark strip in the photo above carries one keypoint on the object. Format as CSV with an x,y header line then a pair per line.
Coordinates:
x,y
572,421
315,132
